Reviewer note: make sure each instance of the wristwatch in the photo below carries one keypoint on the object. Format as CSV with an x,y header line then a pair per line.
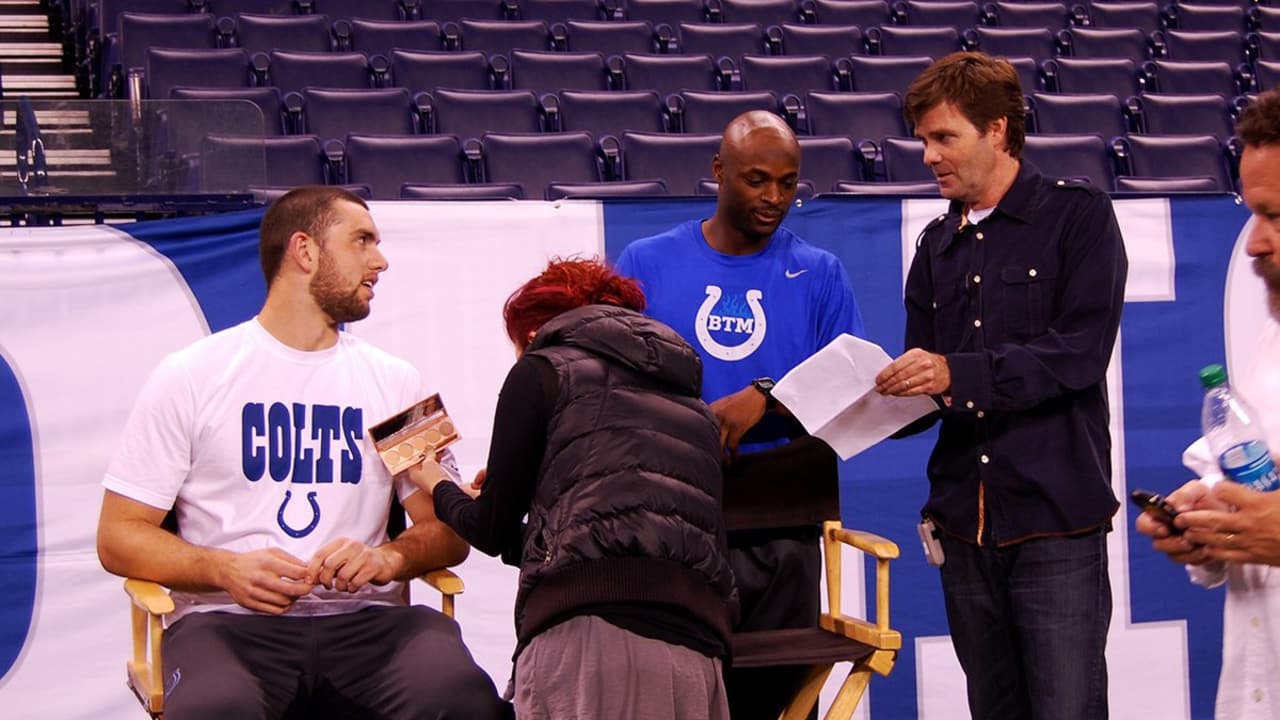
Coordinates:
x,y
765,386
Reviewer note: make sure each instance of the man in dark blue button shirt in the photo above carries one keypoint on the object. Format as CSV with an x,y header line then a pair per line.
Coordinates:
x,y
1013,304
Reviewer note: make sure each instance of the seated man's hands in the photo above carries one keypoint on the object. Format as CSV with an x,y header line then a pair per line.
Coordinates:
x,y
738,413
267,581
1236,524
348,565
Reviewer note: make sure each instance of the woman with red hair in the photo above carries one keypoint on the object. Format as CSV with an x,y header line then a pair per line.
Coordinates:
x,y
625,599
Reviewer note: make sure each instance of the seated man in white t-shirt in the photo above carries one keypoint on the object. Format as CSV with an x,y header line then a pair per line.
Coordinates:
x,y
287,591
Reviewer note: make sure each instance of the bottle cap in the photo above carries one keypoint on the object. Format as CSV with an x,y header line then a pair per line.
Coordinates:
x,y
1212,376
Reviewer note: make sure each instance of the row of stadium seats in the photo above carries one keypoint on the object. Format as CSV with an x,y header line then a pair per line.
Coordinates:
x,y
681,163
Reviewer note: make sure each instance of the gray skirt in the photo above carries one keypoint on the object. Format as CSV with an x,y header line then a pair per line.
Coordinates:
x,y
587,669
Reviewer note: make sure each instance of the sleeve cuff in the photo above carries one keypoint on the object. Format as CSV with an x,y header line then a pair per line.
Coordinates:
x,y
970,382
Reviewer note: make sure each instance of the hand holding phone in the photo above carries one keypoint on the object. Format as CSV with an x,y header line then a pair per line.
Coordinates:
x,y
1159,508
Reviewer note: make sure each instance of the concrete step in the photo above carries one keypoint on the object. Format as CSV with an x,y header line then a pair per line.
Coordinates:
x,y
39,85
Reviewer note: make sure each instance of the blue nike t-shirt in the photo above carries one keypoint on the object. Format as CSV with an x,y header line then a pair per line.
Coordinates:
x,y
748,316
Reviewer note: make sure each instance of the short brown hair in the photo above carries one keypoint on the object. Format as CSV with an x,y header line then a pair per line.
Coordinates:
x,y
307,209
981,87
1259,124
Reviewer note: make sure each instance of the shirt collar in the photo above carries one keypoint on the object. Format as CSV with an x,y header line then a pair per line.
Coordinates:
x,y
1017,202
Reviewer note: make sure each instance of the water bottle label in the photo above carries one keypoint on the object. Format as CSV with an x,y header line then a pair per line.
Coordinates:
x,y
1250,464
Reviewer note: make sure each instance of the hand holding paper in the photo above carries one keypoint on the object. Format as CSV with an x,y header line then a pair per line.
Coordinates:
x,y
832,393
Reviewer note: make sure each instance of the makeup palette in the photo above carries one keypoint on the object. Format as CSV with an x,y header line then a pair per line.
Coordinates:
x,y
419,431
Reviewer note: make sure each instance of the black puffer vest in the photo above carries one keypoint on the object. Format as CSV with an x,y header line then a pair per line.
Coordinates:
x,y
627,506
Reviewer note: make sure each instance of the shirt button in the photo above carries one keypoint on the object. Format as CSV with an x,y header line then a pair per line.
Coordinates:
x,y
969,404
981,414
1032,272
977,278
979,236
935,305
1061,183
977,323
984,459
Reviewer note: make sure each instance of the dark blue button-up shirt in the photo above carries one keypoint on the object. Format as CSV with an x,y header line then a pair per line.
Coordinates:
x,y
1025,305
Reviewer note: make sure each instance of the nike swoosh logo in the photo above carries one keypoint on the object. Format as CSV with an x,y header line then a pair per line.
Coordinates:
x,y
793,275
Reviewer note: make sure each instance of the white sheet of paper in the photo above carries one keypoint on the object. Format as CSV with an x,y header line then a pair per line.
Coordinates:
x,y
832,393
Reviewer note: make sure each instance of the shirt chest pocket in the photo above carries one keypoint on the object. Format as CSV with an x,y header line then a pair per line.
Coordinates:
x,y
1027,299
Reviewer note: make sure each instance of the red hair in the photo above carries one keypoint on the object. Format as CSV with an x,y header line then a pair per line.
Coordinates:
x,y
564,286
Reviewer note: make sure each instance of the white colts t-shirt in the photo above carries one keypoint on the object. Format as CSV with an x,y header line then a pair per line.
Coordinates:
x,y
257,445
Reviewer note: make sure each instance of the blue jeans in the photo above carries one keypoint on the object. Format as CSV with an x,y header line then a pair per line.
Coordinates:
x,y
1029,625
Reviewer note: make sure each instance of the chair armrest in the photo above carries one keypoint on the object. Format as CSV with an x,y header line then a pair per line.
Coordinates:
x,y
148,596
444,581
880,548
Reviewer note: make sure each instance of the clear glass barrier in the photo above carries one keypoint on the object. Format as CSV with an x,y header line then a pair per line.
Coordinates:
x,y
121,147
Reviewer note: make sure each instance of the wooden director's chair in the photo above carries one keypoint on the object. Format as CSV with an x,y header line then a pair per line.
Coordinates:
x,y
150,601
798,484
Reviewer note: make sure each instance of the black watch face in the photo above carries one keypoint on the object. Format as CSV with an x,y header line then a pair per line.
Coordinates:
x,y
764,384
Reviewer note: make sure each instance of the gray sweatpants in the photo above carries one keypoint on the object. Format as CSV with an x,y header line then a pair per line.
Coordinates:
x,y
587,669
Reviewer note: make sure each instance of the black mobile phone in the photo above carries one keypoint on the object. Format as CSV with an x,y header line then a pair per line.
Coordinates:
x,y
1155,504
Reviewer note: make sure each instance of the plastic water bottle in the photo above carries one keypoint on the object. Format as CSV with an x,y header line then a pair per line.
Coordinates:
x,y
1231,428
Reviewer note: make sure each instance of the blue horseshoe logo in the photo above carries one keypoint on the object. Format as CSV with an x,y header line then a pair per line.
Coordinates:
x,y
315,515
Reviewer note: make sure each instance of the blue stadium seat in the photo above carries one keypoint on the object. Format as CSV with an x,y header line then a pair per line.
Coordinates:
x,y
1115,76
885,74
1190,76
1046,15
856,115
291,71
480,191
904,160
834,41
1204,46
1166,186
427,71
1066,113
166,69
264,33
471,113
1189,16
700,111
1128,43
953,13
863,13
617,189
910,40
1036,43
554,10
681,161
378,37
672,12
235,163
760,12
790,74
731,40
332,114
1264,45
543,71
1141,15
612,112
610,37
929,188
385,163
1264,19
1176,156
535,160
1161,114
348,9
827,160
139,31
443,11
1079,156
1267,74
266,98
497,36
231,8
670,73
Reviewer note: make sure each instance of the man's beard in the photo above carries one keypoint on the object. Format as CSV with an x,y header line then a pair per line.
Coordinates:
x,y
1266,269
341,305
